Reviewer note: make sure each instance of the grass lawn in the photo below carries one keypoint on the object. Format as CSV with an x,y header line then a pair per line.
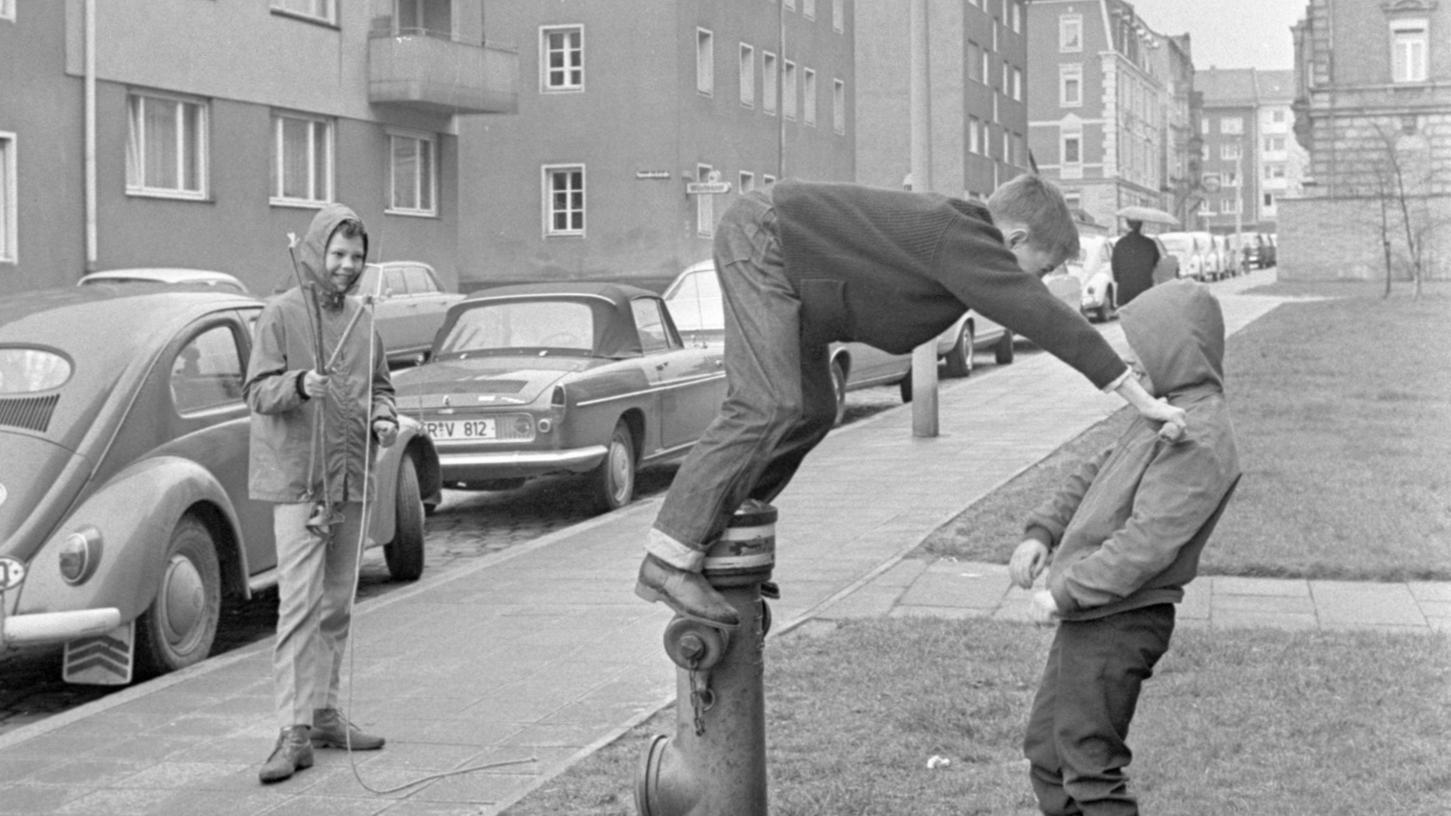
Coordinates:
x,y
1343,411
1357,725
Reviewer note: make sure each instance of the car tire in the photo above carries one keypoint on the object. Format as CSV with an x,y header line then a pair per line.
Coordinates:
x,y
614,478
180,625
904,385
838,390
958,360
1003,351
405,553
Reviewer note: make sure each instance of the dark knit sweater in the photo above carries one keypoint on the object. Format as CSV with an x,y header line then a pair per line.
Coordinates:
x,y
895,269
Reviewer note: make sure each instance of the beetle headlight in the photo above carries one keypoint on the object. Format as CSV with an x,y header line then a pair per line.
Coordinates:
x,y
80,553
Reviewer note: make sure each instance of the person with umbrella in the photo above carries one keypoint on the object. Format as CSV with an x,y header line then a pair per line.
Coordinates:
x,y
1134,258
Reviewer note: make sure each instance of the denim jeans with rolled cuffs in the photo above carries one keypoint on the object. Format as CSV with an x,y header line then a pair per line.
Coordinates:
x,y
779,397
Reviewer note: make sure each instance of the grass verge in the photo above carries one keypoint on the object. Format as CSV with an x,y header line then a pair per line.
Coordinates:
x,y
1343,411
1357,727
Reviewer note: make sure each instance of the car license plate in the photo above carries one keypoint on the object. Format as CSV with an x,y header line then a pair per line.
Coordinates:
x,y
462,429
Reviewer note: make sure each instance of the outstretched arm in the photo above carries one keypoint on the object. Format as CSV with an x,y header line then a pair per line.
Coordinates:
x,y
1155,409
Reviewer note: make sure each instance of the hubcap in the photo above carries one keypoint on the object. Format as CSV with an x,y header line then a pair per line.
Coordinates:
x,y
182,601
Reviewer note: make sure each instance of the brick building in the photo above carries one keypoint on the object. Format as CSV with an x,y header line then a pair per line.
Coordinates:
x,y
1373,108
1251,159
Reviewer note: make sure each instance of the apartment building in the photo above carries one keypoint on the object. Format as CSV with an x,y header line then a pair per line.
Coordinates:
x,y
1373,108
639,122
1102,97
175,133
978,81
1251,159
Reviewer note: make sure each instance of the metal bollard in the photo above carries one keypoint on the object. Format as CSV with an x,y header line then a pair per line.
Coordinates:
x,y
715,765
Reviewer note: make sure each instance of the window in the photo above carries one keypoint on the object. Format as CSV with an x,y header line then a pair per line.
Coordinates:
x,y
207,373
1409,44
302,159
808,9
768,179
838,106
1017,83
1274,144
837,13
166,147
1073,148
1070,33
808,101
1274,171
974,61
1269,199
768,82
1070,85
788,91
414,159
748,76
746,181
650,325
1277,116
705,203
974,144
7,9
704,61
1229,150
312,9
1015,13
1231,125
7,198
564,200
1229,205
562,53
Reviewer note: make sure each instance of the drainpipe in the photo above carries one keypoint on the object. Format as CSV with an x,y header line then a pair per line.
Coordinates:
x,y
90,137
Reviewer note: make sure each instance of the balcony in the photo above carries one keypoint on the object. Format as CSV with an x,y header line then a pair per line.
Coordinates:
x,y
437,74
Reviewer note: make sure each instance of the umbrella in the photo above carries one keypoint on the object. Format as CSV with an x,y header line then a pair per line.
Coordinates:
x,y
1148,214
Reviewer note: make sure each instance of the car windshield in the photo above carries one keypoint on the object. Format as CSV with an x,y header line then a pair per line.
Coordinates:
x,y
537,326
695,303
31,370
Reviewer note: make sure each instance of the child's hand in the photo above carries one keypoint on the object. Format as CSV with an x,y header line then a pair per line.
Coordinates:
x,y
1044,611
1027,562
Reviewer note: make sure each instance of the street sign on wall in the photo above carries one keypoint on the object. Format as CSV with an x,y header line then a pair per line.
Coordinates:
x,y
707,187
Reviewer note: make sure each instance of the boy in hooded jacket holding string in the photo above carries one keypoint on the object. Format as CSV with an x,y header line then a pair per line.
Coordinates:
x,y
311,424
1124,534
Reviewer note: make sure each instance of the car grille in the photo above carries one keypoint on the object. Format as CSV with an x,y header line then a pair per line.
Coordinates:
x,y
32,413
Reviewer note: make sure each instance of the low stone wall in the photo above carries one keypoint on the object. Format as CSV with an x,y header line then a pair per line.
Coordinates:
x,y
1340,239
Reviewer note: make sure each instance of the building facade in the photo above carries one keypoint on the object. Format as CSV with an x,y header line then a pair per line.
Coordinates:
x,y
1102,99
129,144
1250,157
978,85
1373,108
639,122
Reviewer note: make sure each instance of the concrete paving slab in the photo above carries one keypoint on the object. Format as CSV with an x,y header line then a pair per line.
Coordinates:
x,y
1368,604
1228,585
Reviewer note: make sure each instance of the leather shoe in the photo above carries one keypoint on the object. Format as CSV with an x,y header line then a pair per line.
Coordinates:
x,y
688,593
292,754
330,729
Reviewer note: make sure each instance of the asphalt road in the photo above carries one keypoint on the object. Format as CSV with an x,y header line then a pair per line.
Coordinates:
x,y
464,527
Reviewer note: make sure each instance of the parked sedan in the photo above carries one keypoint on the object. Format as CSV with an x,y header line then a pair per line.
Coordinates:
x,y
408,309
1093,268
1189,252
167,276
583,378
124,517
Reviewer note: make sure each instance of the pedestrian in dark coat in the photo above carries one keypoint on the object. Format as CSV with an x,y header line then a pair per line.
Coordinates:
x,y
1134,258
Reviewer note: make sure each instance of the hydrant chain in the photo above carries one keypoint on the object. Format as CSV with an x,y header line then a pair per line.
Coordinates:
x,y
701,697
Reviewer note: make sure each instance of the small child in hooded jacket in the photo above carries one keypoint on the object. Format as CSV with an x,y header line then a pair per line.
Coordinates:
x,y
1125,533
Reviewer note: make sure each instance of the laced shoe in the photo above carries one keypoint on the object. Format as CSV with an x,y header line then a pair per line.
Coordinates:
x,y
330,729
292,754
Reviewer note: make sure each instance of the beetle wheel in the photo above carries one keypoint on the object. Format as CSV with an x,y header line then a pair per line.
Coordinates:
x,y
405,554
959,358
179,626
614,479
838,391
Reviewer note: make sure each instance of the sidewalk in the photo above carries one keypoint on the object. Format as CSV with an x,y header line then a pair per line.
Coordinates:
x,y
543,653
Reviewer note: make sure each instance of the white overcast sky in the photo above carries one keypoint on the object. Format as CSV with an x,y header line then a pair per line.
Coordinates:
x,y
1230,33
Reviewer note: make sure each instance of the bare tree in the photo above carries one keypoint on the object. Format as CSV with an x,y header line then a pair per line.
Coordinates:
x,y
1404,184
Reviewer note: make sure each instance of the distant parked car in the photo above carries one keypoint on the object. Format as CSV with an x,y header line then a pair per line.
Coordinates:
x,y
410,307
1190,252
582,378
167,276
1209,249
124,515
1094,270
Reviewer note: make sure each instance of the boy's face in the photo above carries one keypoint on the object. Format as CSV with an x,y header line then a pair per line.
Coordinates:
x,y
344,260
1031,259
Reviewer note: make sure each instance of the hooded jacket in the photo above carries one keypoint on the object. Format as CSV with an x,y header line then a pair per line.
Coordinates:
x,y
1122,528
283,449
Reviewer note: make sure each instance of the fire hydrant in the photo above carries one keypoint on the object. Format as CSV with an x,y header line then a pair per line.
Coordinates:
x,y
715,765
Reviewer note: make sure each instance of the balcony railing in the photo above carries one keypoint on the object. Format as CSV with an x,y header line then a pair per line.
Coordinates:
x,y
419,69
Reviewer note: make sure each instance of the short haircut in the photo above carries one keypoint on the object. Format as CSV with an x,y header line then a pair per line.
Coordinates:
x,y
1035,203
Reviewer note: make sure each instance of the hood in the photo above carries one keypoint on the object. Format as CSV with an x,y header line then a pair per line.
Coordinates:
x,y
481,382
1177,331
311,253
